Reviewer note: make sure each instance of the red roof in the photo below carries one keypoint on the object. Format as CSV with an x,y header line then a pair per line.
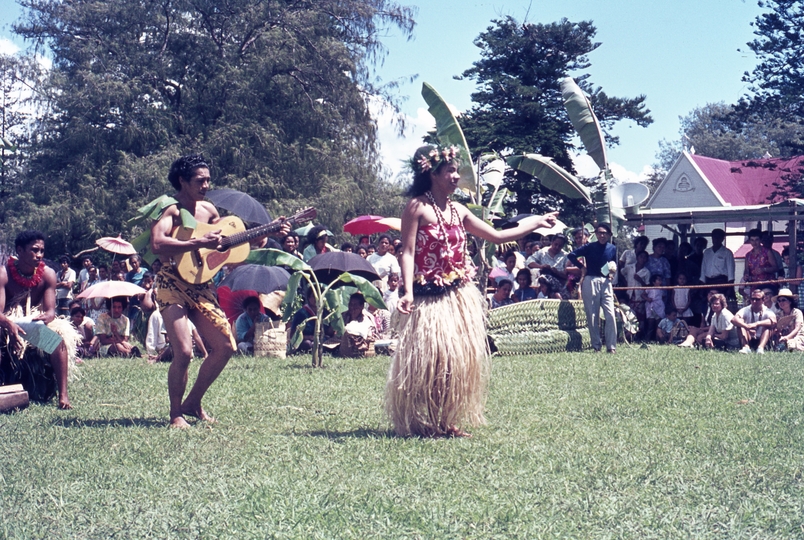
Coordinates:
x,y
753,181
745,248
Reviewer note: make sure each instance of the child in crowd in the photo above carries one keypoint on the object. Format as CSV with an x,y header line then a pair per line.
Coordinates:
x,y
501,297
637,275
671,329
525,291
391,295
682,298
654,306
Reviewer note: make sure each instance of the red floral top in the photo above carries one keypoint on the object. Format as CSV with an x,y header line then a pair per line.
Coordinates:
x,y
755,261
438,262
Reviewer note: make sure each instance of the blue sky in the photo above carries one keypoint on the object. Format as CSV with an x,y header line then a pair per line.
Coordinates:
x,y
681,54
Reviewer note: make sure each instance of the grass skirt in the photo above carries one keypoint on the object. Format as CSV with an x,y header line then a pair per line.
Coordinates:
x,y
440,371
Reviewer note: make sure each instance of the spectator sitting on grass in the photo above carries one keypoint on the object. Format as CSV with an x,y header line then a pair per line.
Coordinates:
x,y
790,325
654,306
246,324
549,288
722,333
86,328
113,330
671,329
755,324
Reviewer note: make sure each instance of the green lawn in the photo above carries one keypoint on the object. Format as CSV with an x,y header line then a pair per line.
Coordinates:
x,y
659,443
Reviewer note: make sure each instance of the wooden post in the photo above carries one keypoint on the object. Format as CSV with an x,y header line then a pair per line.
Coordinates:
x,y
792,247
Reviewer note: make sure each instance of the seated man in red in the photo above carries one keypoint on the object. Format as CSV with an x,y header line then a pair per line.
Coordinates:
x,y
28,288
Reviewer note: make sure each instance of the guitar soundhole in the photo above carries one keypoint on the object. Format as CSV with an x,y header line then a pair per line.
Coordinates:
x,y
216,258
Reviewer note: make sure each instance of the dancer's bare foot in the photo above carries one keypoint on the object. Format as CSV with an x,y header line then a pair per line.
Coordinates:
x,y
197,412
179,423
457,432
64,404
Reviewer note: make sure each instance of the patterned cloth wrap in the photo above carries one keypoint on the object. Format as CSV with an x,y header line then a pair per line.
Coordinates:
x,y
438,265
172,290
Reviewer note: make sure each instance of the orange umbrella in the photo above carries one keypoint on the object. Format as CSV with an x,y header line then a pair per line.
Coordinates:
x,y
116,245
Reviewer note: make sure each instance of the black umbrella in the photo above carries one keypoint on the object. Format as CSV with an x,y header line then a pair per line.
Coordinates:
x,y
256,277
240,204
328,266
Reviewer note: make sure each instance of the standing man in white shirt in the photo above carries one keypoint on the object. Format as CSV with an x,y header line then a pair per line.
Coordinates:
x,y
717,267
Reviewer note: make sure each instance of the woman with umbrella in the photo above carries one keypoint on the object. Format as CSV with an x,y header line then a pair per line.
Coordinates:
x,y
438,376
317,243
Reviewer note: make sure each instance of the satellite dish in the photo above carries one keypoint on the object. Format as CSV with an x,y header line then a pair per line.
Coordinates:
x,y
629,194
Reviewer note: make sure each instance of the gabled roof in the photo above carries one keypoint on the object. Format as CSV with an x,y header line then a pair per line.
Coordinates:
x,y
750,182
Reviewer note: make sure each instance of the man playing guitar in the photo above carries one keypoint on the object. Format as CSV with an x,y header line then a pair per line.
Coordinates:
x,y
179,300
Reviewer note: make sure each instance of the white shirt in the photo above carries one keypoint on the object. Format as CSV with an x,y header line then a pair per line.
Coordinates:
x,y
718,263
384,264
559,262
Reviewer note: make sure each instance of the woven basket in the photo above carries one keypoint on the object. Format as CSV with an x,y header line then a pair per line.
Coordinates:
x,y
539,326
270,340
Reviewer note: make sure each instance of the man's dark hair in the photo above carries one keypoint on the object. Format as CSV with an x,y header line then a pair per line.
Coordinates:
x,y
86,258
122,299
64,259
250,301
101,265
26,237
184,167
387,237
606,226
148,275
78,309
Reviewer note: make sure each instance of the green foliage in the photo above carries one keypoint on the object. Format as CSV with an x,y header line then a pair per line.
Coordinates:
x,y
519,108
659,443
274,93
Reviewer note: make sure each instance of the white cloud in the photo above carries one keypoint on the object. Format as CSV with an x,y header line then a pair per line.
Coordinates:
x,y
7,47
395,149
586,167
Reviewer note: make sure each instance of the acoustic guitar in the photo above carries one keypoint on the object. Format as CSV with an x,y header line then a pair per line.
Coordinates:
x,y
200,265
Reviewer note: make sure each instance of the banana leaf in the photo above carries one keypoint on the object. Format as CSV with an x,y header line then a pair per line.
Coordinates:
x,y
584,121
290,294
496,202
335,307
494,173
550,175
276,257
449,132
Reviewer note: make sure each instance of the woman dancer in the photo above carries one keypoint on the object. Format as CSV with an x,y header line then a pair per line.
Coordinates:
x,y
437,381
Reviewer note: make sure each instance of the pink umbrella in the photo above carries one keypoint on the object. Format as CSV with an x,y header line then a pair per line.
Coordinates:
x,y
110,289
116,245
366,225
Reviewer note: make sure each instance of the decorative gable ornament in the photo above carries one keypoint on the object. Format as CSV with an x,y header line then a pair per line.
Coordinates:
x,y
683,185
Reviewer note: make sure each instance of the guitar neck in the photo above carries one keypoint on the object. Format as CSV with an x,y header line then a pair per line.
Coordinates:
x,y
251,234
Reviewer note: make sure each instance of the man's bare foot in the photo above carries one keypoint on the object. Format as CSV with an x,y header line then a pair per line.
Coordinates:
x,y
197,412
65,405
179,423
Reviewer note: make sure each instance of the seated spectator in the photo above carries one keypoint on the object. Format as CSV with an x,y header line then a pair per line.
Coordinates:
x,y
671,329
722,333
525,291
755,324
359,329
549,288
361,250
157,345
391,295
371,249
551,260
92,279
306,316
85,327
506,269
654,306
698,333
156,266
113,330
790,322
770,301
502,296
65,279
135,274
246,324
346,247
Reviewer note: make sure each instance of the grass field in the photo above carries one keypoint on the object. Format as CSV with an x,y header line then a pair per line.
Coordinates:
x,y
658,443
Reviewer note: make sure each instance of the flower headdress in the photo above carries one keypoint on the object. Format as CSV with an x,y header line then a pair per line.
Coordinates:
x,y
429,158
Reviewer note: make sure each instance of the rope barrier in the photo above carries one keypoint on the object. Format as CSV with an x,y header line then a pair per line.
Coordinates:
x,y
714,285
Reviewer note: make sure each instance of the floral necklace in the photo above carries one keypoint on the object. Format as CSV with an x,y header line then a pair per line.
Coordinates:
x,y
454,219
26,281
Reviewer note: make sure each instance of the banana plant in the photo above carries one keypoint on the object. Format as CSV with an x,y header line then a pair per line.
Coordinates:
x,y
585,122
328,300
